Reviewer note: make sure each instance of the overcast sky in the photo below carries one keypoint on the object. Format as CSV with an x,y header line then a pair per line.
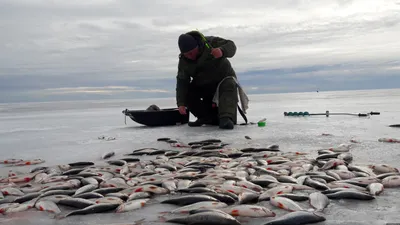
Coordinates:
x,y
58,50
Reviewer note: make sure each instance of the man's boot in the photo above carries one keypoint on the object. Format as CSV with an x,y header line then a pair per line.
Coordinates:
x,y
226,123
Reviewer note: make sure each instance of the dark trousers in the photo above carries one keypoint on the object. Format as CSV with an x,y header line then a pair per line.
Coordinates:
x,y
199,101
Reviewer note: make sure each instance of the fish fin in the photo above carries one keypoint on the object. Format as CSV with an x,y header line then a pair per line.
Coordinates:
x,y
58,216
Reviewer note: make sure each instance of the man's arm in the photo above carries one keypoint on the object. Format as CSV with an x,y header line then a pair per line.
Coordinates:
x,y
182,86
227,46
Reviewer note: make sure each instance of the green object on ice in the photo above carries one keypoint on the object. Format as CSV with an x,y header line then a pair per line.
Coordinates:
x,y
290,114
301,114
261,123
306,113
295,113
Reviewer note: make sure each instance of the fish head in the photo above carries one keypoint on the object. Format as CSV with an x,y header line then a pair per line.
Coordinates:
x,y
268,212
64,167
287,187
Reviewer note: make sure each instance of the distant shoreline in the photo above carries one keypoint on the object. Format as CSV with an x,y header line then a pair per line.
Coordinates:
x,y
172,96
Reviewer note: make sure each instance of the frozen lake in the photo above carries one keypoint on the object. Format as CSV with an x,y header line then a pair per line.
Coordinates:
x,y
64,132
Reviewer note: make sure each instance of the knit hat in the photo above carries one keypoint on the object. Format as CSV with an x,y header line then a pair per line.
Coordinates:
x,y
186,43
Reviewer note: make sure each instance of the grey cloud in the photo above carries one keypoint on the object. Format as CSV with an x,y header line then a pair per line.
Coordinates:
x,y
103,42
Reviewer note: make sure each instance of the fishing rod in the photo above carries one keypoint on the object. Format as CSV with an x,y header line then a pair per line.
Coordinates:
x,y
208,45
327,114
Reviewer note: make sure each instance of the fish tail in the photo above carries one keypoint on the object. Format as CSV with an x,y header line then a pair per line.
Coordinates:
x,y
310,210
119,210
319,211
162,219
314,210
36,201
58,216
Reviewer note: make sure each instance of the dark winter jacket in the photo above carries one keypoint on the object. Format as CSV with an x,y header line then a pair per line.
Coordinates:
x,y
206,70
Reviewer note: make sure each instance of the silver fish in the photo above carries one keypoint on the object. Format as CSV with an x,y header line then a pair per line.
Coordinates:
x,y
97,208
200,205
79,203
248,197
350,195
318,201
298,217
108,155
391,181
285,203
375,188
208,217
86,188
47,206
132,205
249,211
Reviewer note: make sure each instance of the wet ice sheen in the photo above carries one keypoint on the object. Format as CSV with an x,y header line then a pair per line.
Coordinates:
x,y
66,132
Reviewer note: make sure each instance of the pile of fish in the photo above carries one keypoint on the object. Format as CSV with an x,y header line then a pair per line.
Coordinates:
x,y
22,162
206,181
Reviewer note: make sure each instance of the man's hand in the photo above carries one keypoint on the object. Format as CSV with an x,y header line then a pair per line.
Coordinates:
x,y
216,52
182,110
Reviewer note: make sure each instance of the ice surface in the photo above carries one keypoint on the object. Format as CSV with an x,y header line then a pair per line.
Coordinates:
x,y
65,132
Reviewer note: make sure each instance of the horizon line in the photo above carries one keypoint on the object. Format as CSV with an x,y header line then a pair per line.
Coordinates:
x,y
169,97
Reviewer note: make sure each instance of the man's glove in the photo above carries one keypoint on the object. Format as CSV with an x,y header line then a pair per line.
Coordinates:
x,y
182,110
